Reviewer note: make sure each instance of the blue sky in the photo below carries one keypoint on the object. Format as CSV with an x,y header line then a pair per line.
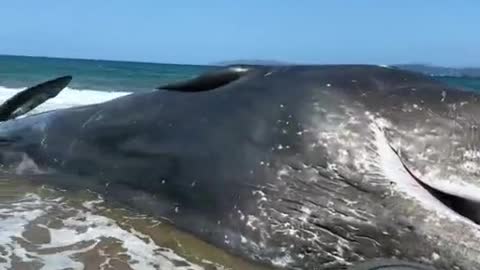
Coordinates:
x,y
206,31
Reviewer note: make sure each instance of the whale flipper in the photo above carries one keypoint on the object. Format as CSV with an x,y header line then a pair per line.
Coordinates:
x,y
209,80
28,99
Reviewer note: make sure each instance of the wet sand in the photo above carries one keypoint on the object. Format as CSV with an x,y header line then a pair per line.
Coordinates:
x,y
46,228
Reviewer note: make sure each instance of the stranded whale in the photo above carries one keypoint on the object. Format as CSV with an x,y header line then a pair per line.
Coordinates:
x,y
300,167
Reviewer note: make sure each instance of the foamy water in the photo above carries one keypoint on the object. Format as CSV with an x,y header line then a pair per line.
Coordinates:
x,y
66,233
67,98
45,228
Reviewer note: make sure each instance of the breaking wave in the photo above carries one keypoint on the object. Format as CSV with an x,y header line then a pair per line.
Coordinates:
x,y
69,97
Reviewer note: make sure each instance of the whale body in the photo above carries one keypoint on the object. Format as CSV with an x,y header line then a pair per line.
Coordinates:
x,y
298,167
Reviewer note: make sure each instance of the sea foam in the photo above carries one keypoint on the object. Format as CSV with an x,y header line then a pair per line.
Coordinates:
x,y
82,231
69,97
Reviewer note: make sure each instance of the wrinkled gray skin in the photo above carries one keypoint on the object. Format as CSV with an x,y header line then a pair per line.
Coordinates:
x,y
297,166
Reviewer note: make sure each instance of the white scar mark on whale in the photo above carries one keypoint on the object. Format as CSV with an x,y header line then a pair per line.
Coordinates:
x,y
453,184
336,133
395,171
95,117
449,170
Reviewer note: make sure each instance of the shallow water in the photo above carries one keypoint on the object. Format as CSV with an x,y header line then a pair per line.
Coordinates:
x,y
46,228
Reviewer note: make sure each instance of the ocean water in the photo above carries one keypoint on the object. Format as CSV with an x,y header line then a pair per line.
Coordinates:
x,y
99,75
46,228
472,84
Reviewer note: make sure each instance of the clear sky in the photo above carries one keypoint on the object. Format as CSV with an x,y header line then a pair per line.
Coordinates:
x,y
206,31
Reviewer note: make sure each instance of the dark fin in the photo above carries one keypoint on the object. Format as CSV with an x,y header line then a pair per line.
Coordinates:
x,y
209,80
29,99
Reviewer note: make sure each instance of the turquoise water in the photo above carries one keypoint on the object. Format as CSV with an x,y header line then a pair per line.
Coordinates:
x,y
20,71
466,83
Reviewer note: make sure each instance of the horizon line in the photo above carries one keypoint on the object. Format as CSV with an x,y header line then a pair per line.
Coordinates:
x,y
101,59
220,63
